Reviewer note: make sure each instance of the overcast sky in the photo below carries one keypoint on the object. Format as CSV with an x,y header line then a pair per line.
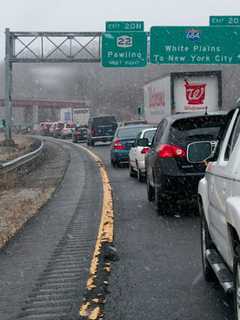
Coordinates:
x,y
91,15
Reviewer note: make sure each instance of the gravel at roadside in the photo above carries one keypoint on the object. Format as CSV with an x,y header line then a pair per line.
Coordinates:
x,y
23,201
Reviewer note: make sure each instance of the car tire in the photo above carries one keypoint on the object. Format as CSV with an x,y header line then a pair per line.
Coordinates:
x,y
131,171
150,191
236,291
119,164
90,143
140,176
206,243
114,163
160,202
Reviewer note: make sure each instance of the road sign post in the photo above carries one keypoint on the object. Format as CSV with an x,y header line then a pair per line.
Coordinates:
x,y
124,49
8,93
195,45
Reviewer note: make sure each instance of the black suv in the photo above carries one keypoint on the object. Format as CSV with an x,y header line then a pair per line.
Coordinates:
x,y
168,173
101,129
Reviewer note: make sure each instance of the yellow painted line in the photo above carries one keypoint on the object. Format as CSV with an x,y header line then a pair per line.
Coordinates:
x,y
90,309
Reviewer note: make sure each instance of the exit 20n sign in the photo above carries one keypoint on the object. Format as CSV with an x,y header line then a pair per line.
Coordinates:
x,y
124,49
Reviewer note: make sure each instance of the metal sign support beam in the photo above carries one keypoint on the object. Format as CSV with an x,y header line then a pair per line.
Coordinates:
x,y
8,92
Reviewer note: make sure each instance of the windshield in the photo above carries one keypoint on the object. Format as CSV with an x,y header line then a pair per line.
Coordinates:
x,y
198,128
128,133
104,121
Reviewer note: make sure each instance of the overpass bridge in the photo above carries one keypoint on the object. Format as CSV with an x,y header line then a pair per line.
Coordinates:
x,y
27,112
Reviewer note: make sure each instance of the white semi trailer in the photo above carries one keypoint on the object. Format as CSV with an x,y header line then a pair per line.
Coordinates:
x,y
182,92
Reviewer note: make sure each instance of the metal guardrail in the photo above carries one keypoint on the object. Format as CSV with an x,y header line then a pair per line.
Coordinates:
x,y
21,161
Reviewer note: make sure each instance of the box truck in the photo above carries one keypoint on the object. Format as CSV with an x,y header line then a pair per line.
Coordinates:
x,y
182,92
80,116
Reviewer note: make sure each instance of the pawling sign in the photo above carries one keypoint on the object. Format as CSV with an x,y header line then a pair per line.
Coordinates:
x,y
195,45
124,49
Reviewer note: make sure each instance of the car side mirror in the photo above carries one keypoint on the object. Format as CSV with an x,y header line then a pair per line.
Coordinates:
x,y
199,151
143,142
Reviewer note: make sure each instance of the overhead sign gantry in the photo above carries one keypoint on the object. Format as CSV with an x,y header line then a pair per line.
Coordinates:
x,y
46,47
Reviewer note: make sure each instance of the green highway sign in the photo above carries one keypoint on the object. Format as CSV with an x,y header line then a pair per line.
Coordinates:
x,y
124,26
195,45
124,49
224,20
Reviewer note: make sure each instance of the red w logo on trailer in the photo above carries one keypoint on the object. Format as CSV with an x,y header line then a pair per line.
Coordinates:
x,y
195,92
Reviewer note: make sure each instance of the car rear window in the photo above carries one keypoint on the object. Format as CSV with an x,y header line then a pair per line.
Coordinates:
x,y
60,125
81,129
68,125
129,133
149,135
133,122
196,128
104,120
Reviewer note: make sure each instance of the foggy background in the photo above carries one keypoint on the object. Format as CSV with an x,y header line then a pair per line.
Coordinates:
x,y
116,91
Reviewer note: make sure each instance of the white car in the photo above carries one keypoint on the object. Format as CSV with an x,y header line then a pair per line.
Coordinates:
x,y
219,206
67,130
138,151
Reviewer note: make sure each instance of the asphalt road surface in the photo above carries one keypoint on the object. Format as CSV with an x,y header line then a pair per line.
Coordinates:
x,y
44,269
159,274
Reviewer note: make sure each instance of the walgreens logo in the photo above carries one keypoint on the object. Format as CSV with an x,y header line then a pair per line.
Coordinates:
x,y
195,92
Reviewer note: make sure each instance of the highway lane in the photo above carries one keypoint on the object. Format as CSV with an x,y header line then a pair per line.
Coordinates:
x,y
159,275
44,269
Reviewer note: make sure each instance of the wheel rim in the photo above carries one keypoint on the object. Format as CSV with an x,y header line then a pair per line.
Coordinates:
x,y
238,291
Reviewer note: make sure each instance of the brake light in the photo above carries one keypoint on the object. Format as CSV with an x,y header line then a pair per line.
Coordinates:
x,y
145,150
117,145
171,151
93,132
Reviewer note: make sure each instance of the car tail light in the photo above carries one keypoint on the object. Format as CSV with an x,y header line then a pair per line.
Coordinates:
x,y
171,151
93,132
117,145
145,150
